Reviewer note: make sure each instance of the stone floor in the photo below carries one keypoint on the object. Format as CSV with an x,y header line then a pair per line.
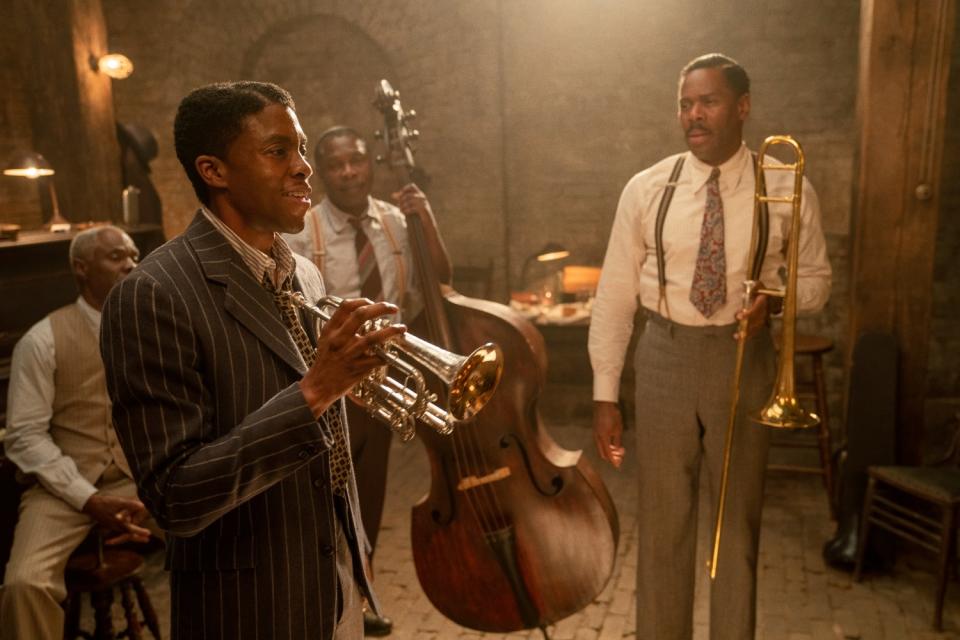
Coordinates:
x,y
799,597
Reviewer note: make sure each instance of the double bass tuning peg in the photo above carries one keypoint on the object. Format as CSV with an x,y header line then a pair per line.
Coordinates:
x,y
414,134
378,134
409,115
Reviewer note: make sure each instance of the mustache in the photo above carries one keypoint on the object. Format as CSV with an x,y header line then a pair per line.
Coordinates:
x,y
697,127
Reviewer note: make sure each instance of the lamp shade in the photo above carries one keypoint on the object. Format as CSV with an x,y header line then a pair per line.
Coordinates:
x,y
548,253
552,251
28,164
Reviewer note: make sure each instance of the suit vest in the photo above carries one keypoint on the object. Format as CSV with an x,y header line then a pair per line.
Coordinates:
x,y
81,424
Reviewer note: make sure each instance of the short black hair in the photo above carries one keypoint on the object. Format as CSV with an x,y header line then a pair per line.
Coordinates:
x,y
211,117
336,131
735,75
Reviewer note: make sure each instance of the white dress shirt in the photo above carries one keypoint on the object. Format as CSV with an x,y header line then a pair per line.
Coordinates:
x,y
278,266
630,267
386,228
27,442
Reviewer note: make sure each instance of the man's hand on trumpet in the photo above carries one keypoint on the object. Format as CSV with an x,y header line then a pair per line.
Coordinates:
x,y
343,356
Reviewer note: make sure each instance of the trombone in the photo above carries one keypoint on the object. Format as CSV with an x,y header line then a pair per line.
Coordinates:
x,y
399,401
782,410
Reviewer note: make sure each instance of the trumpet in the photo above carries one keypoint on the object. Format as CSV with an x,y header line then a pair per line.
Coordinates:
x,y
782,410
401,400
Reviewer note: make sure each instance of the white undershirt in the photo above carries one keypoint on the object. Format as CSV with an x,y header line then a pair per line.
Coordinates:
x,y
28,442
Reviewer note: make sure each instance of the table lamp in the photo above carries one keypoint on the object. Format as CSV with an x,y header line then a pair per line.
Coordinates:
x,y
32,166
550,252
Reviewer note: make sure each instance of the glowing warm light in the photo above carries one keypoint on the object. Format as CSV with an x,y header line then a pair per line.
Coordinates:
x,y
553,255
30,172
115,65
28,165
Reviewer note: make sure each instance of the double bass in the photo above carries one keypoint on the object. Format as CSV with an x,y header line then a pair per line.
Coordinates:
x,y
515,532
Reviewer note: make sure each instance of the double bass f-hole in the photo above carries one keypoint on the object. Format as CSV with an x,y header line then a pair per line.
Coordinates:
x,y
556,482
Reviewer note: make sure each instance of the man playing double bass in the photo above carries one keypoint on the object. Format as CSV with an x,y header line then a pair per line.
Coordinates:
x,y
361,247
680,244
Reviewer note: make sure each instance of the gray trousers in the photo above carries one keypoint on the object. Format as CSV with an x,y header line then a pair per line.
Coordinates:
x,y
349,601
683,380
48,530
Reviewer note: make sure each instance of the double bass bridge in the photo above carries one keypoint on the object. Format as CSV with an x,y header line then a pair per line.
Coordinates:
x,y
474,481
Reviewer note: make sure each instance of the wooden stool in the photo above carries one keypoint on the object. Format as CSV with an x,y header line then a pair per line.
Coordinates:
x,y
918,504
98,573
814,347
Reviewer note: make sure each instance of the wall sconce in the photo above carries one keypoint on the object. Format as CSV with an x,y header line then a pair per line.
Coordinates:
x,y
32,165
115,65
550,252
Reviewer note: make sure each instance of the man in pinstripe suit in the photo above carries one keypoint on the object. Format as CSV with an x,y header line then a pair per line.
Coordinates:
x,y
237,440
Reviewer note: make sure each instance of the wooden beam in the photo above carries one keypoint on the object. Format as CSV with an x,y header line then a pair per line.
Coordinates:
x,y
70,103
905,50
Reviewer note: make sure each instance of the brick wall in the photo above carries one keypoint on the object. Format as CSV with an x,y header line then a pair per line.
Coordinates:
x,y
19,197
534,114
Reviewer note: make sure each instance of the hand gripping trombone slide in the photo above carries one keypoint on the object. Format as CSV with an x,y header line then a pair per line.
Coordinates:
x,y
470,380
782,410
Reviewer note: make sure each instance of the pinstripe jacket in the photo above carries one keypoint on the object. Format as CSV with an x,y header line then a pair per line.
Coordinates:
x,y
226,453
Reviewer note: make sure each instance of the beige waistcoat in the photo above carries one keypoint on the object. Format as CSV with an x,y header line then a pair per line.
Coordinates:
x,y
81,424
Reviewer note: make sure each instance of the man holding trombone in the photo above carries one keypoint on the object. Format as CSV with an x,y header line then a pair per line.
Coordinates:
x,y
681,245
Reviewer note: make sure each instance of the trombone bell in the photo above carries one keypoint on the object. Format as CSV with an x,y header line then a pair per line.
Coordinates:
x,y
784,412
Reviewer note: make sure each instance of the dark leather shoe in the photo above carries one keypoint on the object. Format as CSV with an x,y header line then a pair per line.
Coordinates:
x,y
377,626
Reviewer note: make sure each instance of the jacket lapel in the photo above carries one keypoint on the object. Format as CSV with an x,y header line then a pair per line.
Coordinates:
x,y
245,299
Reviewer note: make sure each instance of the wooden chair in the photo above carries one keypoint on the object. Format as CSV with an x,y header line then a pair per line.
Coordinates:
x,y
100,572
918,504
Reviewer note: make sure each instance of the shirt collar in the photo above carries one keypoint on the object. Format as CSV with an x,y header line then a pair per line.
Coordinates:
x,y
731,171
89,312
339,219
277,267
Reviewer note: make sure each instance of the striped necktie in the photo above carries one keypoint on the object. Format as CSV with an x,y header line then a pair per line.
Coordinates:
x,y
371,286
340,465
708,291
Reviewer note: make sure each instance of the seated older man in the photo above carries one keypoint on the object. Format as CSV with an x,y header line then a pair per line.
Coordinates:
x,y
59,431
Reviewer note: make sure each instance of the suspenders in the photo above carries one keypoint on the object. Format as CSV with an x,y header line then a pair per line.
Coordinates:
x,y
320,250
658,231
671,186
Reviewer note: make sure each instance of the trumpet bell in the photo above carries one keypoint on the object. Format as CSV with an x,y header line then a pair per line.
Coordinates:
x,y
475,381
784,412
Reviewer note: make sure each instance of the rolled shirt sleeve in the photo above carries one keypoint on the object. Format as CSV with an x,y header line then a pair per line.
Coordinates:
x,y
28,442
611,322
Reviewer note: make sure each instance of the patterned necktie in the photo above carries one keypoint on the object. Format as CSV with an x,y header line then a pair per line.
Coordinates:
x,y
709,288
370,284
340,466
